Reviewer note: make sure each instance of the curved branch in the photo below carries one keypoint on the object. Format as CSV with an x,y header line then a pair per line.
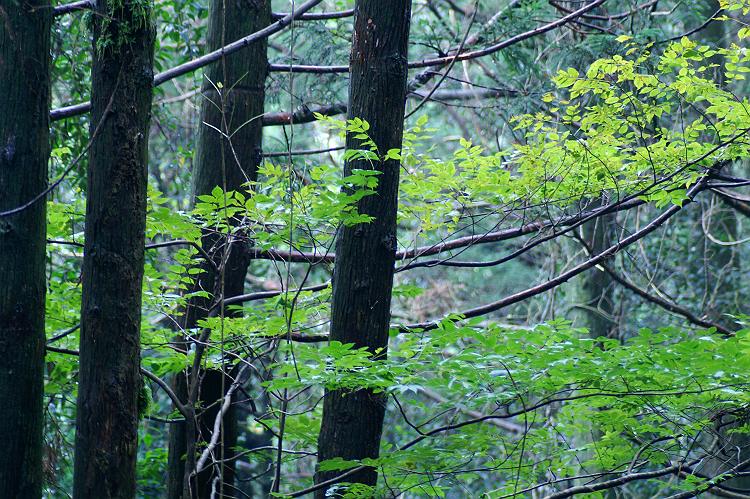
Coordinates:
x,y
616,482
666,305
303,114
181,408
457,243
71,7
611,17
578,269
737,204
317,16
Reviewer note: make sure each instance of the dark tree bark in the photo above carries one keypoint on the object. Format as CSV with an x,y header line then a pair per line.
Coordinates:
x,y
24,151
595,307
213,386
109,374
595,300
365,254
236,109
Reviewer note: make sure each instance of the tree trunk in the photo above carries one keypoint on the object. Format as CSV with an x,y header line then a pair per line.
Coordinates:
x,y
24,151
235,109
595,301
722,266
365,253
595,310
109,374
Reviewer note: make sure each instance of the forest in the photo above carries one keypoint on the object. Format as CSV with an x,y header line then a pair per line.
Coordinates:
x,y
374,249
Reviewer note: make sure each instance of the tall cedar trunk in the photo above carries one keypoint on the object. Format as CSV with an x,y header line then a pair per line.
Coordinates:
x,y
596,307
595,311
24,150
228,164
109,374
365,253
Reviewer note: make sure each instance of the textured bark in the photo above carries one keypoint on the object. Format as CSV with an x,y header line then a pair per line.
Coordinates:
x,y
596,307
228,164
213,385
109,375
24,151
365,254
595,310
177,447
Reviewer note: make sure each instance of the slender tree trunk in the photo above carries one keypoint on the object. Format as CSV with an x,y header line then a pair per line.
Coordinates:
x,y
109,374
594,296
235,108
24,151
722,268
365,254
721,262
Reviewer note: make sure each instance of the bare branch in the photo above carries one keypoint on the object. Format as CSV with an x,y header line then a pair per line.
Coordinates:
x,y
666,305
440,61
303,114
71,7
190,66
578,269
77,109
317,16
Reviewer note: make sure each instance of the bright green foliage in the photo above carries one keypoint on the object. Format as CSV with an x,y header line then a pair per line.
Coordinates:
x,y
733,5
663,388
643,126
474,406
638,125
